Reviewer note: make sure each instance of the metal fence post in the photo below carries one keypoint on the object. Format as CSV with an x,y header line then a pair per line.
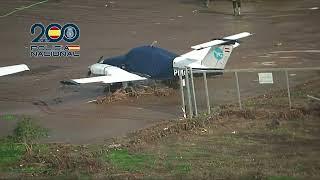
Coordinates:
x,y
238,89
288,87
188,94
206,91
193,94
182,96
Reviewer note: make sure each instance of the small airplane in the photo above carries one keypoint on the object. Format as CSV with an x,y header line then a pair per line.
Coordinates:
x,y
13,69
149,62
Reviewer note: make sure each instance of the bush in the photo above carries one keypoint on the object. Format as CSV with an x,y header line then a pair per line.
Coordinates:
x,y
28,132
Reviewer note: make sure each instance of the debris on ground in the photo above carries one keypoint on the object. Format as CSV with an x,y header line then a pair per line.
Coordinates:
x,y
272,119
119,95
273,124
203,130
114,145
125,93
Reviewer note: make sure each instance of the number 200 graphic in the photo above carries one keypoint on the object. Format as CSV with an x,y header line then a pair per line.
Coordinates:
x,y
55,32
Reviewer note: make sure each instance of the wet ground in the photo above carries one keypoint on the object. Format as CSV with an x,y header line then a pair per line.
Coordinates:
x,y
286,34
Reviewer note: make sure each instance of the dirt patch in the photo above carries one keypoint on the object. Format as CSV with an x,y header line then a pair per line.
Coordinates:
x,y
232,143
263,117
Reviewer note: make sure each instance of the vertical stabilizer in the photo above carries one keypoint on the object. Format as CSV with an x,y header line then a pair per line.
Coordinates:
x,y
217,56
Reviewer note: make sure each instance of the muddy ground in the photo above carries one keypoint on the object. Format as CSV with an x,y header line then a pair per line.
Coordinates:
x,y
284,32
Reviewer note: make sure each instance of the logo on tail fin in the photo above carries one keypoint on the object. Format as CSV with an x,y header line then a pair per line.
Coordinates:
x,y
218,53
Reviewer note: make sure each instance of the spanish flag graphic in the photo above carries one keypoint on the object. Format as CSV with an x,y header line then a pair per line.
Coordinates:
x,y
54,32
74,47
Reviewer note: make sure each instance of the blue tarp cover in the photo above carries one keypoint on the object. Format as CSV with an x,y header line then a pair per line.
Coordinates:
x,y
153,62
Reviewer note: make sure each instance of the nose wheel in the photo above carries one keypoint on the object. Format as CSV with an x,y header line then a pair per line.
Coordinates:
x,y
89,73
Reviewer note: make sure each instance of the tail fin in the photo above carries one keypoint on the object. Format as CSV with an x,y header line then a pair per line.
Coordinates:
x,y
210,55
217,57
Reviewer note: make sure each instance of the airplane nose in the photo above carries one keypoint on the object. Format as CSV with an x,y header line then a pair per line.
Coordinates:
x,y
98,69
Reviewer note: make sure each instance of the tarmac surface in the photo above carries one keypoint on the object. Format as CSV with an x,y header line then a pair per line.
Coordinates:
x,y
286,34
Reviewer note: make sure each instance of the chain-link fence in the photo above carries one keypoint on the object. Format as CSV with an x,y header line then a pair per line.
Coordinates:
x,y
202,90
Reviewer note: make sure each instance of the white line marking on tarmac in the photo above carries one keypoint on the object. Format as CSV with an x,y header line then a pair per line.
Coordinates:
x,y
314,8
283,15
22,8
297,51
288,57
270,63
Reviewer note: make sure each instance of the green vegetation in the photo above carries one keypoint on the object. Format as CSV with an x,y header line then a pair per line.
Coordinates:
x,y
14,148
27,131
8,117
124,160
281,178
10,153
229,144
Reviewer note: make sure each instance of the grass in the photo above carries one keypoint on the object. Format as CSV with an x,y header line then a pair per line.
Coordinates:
x,y
126,161
10,153
27,131
279,98
175,162
14,148
8,117
281,178
30,170
242,148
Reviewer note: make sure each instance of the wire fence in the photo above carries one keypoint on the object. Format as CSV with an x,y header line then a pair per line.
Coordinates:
x,y
202,90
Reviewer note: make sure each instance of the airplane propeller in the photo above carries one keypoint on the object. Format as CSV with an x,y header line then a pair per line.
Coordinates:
x,y
99,60
153,43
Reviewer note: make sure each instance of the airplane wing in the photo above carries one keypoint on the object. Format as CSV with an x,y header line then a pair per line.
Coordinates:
x,y
13,69
221,41
114,75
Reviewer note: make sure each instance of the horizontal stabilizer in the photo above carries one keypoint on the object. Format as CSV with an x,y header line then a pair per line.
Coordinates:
x,y
222,41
